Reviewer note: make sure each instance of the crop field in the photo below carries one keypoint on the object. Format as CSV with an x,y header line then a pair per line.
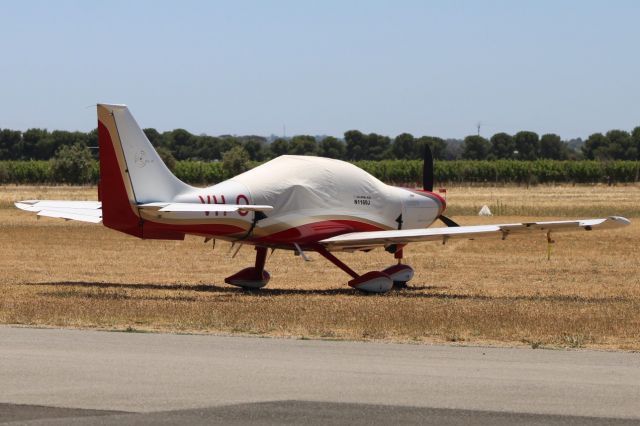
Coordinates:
x,y
56,273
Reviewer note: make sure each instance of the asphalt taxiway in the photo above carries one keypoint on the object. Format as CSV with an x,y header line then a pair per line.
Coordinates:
x,y
77,377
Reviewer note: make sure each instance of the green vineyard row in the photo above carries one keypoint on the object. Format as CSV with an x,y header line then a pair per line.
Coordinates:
x,y
390,171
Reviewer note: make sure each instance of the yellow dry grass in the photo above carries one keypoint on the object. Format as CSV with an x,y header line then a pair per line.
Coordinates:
x,y
55,273
546,200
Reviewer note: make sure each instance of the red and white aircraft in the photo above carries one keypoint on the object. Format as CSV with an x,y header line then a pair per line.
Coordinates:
x,y
297,203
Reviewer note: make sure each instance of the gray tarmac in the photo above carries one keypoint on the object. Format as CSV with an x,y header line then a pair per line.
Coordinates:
x,y
78,377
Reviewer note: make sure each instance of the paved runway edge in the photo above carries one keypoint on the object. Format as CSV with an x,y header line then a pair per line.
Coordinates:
x,y
291,413
187,374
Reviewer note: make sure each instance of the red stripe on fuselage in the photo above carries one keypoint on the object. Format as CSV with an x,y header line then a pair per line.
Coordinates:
x,y
165,231
309,233
313,232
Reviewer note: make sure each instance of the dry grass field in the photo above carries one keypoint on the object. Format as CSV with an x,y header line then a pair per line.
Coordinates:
x,y
56,273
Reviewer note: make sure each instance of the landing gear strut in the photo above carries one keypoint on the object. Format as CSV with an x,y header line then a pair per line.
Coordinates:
x,y
371,282
254,277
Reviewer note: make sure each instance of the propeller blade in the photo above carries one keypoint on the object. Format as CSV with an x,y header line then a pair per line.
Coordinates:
x,y
450,223
427,169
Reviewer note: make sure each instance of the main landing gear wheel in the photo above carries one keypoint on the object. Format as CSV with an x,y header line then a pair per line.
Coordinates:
x,y
372,282
400,274
254,277
249,278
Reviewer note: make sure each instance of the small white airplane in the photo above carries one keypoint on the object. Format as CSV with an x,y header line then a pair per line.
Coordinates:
x,y
297,203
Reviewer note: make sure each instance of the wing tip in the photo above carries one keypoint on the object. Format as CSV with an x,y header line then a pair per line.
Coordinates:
x,y
24,205
620,220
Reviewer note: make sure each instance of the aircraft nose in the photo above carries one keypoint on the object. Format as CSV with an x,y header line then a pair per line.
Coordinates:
x,y
437,198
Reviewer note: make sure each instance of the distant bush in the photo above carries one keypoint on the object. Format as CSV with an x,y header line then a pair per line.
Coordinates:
x,y
199,172
235,161
71,164
25,172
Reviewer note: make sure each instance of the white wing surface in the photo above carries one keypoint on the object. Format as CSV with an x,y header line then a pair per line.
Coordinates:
x,y
197,207
356,240
84,211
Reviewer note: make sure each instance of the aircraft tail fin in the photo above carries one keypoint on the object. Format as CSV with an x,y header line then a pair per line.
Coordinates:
x,y
131,171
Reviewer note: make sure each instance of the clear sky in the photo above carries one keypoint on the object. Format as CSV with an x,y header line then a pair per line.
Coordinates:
x,y
324,67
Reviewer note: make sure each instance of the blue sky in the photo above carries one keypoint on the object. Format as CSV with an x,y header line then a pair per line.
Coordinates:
x,y
324,67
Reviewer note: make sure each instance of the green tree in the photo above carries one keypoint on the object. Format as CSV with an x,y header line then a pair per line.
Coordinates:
x,y
256,147
154,136
621,145
331,147
10,144
596,147
475,148
615,145
226,142
235,161
438,147
453,149
279,147
356,145
30,142
635,136
527,144
181,143
207,148
502,146
167,157
552,147
404,146
379,147
72,164
92,142
303,145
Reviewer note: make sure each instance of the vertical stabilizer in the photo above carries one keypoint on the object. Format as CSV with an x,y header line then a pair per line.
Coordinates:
x,y
131,171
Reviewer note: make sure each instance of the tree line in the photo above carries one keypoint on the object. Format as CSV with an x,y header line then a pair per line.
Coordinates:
x,y
525,145
179,145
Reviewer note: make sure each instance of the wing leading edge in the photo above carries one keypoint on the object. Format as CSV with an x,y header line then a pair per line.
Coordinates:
x,y
356,240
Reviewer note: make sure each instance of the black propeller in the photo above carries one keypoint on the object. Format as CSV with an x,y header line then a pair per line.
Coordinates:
x,y
427,181
427,169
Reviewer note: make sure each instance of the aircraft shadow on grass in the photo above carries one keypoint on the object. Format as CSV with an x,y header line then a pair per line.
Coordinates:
x,y
415,291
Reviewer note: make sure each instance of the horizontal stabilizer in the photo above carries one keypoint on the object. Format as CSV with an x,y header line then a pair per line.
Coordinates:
x,y
84,211
35,205
356,240
197,207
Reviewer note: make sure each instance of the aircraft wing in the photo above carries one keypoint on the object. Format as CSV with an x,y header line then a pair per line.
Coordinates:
x,y
357,240
84,211
198,207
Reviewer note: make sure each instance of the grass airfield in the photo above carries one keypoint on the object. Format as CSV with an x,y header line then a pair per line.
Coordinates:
x,y
66,274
